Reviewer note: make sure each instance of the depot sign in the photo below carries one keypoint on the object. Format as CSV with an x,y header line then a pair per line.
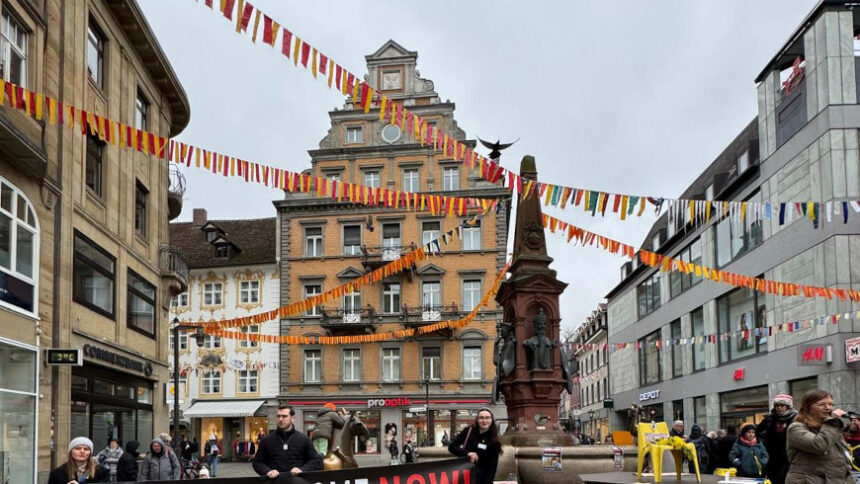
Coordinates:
x,y
388,402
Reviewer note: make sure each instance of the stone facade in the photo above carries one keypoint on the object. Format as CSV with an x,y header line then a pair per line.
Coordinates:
x,y
593,363
814,157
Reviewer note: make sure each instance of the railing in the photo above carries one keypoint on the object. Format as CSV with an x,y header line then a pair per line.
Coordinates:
x,y
428,313
348,316
170,261
175,191
386,253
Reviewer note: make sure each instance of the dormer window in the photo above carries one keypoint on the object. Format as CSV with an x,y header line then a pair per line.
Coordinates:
x,y
210,235
222,252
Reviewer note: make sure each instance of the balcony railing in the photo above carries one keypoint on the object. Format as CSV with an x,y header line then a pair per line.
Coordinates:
x,y
175,191
376,257
339,320
173,265
428,314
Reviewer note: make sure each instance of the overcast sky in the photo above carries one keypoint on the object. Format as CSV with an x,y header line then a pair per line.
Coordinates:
x,y
621,96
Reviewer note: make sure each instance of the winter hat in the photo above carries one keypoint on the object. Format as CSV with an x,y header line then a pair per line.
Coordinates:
x,y
81,441
204,472
783,399
746,428
330,406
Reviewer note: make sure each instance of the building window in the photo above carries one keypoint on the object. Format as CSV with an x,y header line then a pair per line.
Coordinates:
x,y
94,275
95,164
13,45
211,234
431,362
649,359
410,180
648,295
391,235
95,54
472,363
141,194
741,313
247,381
222,251
352,303
700,409
250,329
679,281
743,161
183,340
352,239
352,365
19,249
371,179
212,294
313,366
697,320
211,342
211,381
472,235
249,292
141,108
332,176
737,237
450,179
431,295
391,298
313,241
313,290
471,294
677,353
354,134
390,364
430,232
141,304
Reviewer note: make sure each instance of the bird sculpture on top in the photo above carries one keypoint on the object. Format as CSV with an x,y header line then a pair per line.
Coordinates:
x,y
496,147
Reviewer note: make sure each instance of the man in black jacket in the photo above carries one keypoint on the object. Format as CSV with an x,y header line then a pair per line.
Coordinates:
x,y
126,467
724,446
285,449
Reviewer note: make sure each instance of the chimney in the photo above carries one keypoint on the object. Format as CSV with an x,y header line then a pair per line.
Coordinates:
x,y
199,216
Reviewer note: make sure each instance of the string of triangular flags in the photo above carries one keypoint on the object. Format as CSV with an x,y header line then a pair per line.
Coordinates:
x,y
367,338
713,338
669,264
594,201
432,247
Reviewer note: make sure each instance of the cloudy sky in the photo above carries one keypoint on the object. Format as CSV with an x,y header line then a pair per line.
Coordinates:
x,y
620,96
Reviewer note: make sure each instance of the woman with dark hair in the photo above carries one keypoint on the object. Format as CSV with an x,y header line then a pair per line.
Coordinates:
x,y
81,466
480,442
817,453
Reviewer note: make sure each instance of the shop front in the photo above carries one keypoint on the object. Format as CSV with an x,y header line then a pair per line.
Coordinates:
x,y
237,426
741,407
18,400
108,402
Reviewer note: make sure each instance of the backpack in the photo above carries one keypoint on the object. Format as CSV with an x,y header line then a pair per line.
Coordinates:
x,y
214,449
702,452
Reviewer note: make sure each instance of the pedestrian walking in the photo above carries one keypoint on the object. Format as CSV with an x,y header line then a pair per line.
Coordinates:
x,y
212,450
480,442
394,450
748,455
127,468
81,466
677,430
286,449
773,432
160,463
704,449
408,452
817,452
109,457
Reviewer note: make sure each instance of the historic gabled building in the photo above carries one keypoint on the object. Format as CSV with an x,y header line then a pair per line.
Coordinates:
x,y
227,385
592,357
83,231
325,243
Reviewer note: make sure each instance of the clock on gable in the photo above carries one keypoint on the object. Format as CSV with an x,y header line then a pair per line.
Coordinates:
x,y
391,80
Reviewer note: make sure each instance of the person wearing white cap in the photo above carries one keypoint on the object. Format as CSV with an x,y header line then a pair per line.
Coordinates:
x,y
204,473
81,468
773,432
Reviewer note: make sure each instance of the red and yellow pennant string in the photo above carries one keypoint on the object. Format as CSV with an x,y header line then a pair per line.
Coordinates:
x,y
128,137
669,264
305,305
366,338
594,201
743,335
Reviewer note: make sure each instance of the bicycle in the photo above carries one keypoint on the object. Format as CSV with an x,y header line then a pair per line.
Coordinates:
x,y
190,469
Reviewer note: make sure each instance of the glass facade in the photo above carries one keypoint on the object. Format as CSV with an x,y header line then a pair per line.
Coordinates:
x,y
741,312
741,407
18,394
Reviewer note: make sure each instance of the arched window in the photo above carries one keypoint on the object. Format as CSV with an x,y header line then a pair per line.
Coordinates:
x,y
19,249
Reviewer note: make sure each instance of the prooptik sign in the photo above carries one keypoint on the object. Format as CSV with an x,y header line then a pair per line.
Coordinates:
x,y
388,402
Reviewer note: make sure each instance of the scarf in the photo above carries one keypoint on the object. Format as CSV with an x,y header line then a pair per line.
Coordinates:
x,y
748,442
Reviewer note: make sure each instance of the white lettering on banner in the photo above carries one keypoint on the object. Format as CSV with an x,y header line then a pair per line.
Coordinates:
x,y
649,395
388,402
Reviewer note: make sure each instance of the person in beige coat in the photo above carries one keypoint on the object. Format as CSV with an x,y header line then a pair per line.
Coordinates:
x,y
817,452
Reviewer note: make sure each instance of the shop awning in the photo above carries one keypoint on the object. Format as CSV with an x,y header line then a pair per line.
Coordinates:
x,y
237,408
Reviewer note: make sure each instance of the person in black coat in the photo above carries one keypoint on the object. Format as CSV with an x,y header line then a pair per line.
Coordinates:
x,y
773,432
285,449
81,466
127,468
724,446
480,442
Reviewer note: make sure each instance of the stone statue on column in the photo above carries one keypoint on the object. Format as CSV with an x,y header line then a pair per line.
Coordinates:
x,y
540,346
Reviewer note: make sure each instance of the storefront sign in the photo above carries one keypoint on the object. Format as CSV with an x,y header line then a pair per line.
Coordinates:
x,y
852,350
62,356
649,395
738,374
608,403
388,402
169,395
814,355
117,359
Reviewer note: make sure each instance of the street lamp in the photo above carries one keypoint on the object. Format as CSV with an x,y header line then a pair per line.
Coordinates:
x,y
591,414
427,409
198,335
